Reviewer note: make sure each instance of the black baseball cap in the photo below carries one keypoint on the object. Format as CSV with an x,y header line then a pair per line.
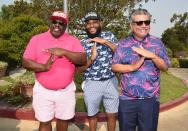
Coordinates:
x,y
91,16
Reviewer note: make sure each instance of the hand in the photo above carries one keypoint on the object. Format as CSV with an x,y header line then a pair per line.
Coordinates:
x,y
143,52
55,51
98,40
49,63
94,52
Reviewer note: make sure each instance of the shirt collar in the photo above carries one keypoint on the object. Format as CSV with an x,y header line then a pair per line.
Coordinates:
x,y
62,37
145,39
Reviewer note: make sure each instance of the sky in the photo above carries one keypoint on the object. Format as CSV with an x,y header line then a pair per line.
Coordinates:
x,y
161,11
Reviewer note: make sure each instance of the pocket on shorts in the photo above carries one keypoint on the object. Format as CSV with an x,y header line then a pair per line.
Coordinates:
x,y
74,86
115,82
83,85
71,86
36,87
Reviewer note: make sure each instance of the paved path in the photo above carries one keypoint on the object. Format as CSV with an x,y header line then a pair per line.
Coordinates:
x,y
182,73
175,119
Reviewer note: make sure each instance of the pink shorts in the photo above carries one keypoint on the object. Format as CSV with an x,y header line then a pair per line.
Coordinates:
x,y
48,104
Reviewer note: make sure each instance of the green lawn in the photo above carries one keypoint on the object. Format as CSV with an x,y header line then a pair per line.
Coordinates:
x,y
171,87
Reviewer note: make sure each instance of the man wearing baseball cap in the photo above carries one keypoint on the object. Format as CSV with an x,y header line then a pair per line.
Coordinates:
x,y
100,83
52,55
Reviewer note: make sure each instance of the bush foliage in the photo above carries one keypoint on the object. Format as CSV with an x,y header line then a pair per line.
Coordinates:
x,y
174,62
183,63
15,35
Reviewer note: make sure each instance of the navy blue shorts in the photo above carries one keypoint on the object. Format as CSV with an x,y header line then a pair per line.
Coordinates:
x,y
142,114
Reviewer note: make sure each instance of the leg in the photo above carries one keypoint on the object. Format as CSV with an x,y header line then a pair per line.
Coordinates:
x,y
45,126
111,121
127,115
65,107
111,102
92,99
148,115
156,115
43,106
62,125
92,123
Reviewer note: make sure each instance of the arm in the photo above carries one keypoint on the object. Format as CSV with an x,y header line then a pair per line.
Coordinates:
x,y
124,68
77,58
159,62
105,42
89,61
37,67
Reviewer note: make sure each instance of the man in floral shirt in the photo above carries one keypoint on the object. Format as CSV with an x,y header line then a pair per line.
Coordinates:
x,y
100,82
139,98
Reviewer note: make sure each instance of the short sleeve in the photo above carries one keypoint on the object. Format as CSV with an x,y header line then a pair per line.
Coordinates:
x,y
114,40
162,53
77,46
117,55
30,51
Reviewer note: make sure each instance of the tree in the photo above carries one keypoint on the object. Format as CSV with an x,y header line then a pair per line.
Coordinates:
x,y
19,7
112,12
15,34
176,37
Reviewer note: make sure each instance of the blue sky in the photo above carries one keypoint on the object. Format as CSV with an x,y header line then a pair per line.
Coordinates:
x,y
161,10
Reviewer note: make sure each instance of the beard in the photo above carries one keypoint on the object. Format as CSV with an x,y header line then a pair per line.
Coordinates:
x,y
98,32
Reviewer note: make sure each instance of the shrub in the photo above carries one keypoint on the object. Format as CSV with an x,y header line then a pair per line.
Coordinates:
x,y
183,63
13,95
15,35
174,62
3,65
3,68
169,52
27,78
5,90
18,100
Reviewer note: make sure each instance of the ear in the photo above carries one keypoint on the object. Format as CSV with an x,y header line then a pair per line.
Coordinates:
x,y
101,23
131,26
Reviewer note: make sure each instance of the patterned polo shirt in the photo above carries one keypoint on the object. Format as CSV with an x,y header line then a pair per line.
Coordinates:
x,y
145,82
101,68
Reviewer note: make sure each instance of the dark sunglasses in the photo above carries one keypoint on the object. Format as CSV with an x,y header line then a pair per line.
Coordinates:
x,y
57,22
139,23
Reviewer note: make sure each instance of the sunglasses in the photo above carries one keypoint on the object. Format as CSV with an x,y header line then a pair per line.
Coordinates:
x,y
140,23
57,22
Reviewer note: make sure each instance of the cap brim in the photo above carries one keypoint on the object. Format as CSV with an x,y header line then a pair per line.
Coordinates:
x,y
59,18
92,18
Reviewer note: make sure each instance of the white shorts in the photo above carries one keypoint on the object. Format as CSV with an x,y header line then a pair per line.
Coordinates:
x,y
48,104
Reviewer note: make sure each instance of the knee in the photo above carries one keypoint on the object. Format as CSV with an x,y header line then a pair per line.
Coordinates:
x,y
111,115
45,123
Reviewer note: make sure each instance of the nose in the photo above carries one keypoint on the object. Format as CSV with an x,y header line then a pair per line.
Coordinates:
x,y
91,25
